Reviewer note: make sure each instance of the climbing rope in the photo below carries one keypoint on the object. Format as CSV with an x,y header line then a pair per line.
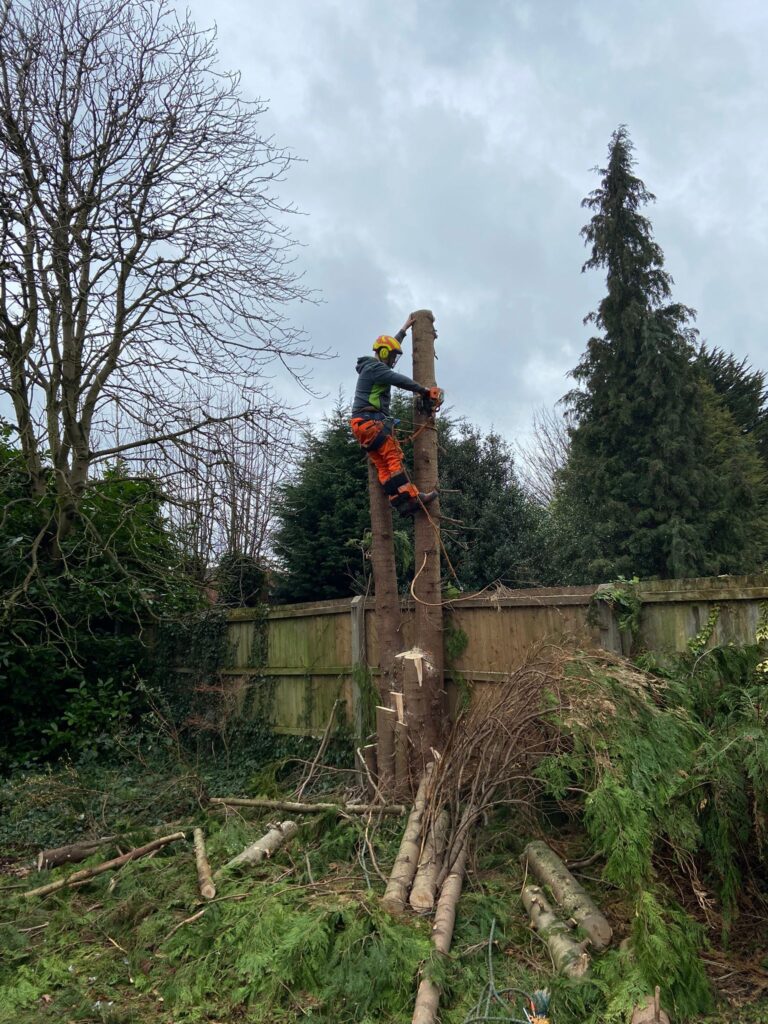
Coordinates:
x,y
493,1004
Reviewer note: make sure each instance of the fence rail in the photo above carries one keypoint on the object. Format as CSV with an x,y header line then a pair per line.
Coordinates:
x,y
318,652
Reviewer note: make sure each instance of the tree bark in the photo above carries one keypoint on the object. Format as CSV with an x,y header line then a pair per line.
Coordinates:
x,y
407,858
261,850
568,955
428,996
315,808
428,702
387,600
204,879
575,901
108,865
385,751
424,887
72,854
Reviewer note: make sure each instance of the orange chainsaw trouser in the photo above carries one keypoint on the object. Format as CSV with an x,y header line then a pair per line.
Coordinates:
x,y
385,453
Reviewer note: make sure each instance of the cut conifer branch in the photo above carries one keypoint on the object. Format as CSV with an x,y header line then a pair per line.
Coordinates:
x,y
424,888
204,878
109,865
571,896
407,858
301,808
262,849
568,955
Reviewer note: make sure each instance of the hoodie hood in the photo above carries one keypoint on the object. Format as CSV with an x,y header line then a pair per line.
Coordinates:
x,y
363,361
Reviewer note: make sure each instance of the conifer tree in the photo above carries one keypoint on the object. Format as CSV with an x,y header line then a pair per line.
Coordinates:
x,y
643,485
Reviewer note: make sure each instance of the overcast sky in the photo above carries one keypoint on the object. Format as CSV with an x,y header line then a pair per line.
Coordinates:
x,y
448,145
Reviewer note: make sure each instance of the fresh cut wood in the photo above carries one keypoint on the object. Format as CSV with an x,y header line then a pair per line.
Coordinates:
x,y
108,865
407,858
263,848
428,995
571,896
204,878
424,887
650,1012
568,955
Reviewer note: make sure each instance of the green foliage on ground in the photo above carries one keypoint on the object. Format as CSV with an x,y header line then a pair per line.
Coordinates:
x,y
668,773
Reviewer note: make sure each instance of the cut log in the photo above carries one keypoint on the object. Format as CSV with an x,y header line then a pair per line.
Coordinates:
x,y
314,808
385,753
204,879
424,888
568,955
87,873
72,854
572,897
428,995
650,1012
261,849
407,858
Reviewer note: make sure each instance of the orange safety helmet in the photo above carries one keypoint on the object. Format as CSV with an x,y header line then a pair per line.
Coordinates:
x,y
386,347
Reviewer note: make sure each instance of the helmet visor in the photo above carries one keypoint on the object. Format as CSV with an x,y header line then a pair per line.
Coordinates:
x,y
393,358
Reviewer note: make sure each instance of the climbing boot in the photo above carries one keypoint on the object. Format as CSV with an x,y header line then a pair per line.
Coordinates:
x,y
420,502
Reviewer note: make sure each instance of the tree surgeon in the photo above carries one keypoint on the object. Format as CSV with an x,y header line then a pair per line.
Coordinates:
x,y
374,427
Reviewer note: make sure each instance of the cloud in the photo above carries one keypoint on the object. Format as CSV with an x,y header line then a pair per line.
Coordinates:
x,y
448,147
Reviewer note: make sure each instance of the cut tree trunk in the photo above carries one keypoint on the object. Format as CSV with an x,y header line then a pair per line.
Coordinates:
x,y
402,771
261,850
387,599
572,897
428,995
424,887
314,808
204,879
385,749
427,702
406,862
108,865
568,955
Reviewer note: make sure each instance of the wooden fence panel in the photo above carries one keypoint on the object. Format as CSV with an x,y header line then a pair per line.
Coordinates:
x,y
312,648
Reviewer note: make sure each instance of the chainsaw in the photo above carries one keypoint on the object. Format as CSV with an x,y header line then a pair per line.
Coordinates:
x,y
429,404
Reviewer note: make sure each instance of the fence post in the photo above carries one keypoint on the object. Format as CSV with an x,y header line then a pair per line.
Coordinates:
x,y
610,635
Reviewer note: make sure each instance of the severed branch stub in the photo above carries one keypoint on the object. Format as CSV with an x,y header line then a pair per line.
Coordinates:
x,y
572,897
263,848
569,956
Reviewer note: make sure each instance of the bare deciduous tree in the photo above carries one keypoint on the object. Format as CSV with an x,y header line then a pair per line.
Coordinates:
x,y
540,459
221,482
143,250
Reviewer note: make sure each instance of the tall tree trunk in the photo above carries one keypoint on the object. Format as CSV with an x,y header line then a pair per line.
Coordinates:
x,y
384,583
427,695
